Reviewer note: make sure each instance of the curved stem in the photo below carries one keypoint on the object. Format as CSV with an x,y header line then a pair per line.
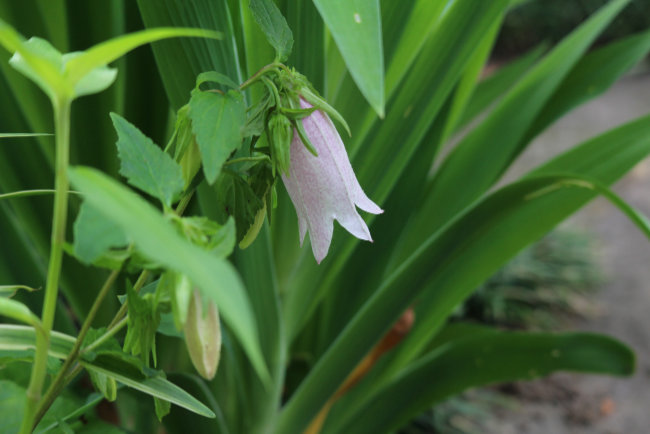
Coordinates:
x,y
62,131
123,309
106,336
258,74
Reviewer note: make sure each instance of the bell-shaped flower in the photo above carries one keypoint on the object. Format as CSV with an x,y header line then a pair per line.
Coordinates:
x,y
324,188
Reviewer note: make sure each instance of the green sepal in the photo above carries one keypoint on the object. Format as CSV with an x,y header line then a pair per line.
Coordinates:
x,y
280,135
256,116
297,113
316,101
303,137
162,407
143,321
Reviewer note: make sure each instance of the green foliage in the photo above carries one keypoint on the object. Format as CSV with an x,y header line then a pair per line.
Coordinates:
x,y
356,28
217,122
18,311
145,165
143,322
12,402
157,240
94,235
241,199
477,358
270,19
445,231
130,372
112,363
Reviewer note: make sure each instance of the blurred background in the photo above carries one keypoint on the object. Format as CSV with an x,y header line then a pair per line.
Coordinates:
x,y
592,273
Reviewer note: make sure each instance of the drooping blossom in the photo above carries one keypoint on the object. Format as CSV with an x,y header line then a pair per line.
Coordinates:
x,y
324,188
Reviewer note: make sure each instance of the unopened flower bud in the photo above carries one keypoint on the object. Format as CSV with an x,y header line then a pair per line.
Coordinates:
x,y
281,134
187,151
203,336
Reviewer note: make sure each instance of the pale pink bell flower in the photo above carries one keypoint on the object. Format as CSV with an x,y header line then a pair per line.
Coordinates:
x,y
324,188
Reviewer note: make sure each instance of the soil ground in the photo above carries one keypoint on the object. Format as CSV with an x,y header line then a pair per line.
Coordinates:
x,y
581,404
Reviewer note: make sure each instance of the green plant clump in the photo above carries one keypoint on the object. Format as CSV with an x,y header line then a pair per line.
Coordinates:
x,y
167,221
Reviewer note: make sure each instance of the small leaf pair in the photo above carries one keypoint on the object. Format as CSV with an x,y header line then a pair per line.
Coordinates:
x,y
71,75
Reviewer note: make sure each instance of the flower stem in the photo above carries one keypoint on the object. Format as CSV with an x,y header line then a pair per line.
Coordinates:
x,y
59,382
62,132
271,66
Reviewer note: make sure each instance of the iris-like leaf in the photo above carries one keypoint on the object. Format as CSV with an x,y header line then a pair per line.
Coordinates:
x,y
356,28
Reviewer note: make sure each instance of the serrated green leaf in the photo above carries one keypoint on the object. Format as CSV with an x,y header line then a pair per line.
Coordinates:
x,y
217,122
145,165
157,239
356,28
94,235
274,25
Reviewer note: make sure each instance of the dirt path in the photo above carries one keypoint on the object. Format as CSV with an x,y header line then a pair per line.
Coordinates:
x,y
581,404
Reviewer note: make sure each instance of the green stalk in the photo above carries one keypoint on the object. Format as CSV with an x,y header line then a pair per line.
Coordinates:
x,y
62,132
59,382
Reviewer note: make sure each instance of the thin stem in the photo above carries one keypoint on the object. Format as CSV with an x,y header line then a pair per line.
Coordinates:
x,y
256,76
58,383
62,132
123,309
273,90
246,159
106,336
27,193
103,338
